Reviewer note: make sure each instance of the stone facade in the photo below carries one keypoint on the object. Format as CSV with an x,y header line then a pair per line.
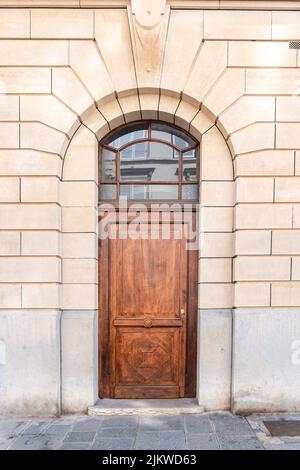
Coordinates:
x,y
69,75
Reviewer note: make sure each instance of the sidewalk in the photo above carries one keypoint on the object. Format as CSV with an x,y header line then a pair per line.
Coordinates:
x,y
211,431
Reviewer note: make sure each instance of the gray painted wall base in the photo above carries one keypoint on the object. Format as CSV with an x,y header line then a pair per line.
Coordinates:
x,y
30,362
214,358
79,336
266,360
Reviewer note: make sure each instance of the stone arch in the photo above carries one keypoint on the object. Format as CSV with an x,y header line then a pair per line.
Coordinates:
x,y
79,228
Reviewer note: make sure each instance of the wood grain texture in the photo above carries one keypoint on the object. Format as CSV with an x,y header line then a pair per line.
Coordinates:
x,y
146,283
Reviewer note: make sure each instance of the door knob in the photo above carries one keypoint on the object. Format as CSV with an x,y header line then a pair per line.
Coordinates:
x,y
182,312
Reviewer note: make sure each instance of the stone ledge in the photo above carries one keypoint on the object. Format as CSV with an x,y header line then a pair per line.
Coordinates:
x,y
140,407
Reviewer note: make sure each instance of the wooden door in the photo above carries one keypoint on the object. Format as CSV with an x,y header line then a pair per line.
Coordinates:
x,y
143,353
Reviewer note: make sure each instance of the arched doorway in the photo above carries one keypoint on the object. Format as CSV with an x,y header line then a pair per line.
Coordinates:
x,y
148,180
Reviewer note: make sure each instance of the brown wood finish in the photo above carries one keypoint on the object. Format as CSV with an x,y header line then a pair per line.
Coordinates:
x,y
147,348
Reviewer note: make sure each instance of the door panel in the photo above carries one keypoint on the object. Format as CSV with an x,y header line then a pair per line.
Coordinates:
x,y
147,299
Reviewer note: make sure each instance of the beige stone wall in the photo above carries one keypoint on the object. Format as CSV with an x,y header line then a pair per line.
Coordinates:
x,y
68,76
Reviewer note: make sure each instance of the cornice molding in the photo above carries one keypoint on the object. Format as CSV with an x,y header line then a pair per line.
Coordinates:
x,y
174,4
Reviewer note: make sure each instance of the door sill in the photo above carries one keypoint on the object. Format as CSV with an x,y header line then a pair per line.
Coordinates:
x,y
146,407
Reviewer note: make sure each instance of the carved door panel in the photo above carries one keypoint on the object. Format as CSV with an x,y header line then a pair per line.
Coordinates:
x,y
147,298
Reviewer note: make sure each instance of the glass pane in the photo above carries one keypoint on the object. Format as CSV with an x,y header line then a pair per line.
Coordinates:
x,y
190,191
171,134
126,135
149,161
108,191
108,165
189,166
151,191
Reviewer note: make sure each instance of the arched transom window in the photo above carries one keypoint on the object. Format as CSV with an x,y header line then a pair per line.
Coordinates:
x,y
149,160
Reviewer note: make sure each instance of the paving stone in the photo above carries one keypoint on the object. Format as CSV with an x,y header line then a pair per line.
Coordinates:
x,y
113,444
35,443
35,428
88,424
119,421
168,440
79,436
202,442
161,423
199,424
233,442
58,430
117,432
4,445
230,424
75,446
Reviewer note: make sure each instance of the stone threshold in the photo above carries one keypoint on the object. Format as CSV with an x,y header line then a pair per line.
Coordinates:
x,y
151,407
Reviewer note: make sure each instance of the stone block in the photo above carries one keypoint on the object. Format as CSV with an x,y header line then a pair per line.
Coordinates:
x,y
62,23
263,216
81,160
10,243
287,189
40,243
27,269
253,242
9,190
29,216
257,136
213,296
80,296
217,193
9,135
261,54
285,25
25,80
40,189
79,244
41,296
82,271
33,53
286,242
79,193
79,219
216,161
111,27
214,379
216,245
31,372
237,25
216,219
29,162
254,189
79,360
15,23
10,297
265,163
252,294
262,268
215,269
273,81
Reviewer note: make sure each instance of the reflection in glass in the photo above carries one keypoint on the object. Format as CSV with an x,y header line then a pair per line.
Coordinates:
x,y
127,134
152,191
108,165
108,191
149,161
190,191
172,135
189,171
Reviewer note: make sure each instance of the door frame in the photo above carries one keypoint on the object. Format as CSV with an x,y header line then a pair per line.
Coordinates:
x,y
104,319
